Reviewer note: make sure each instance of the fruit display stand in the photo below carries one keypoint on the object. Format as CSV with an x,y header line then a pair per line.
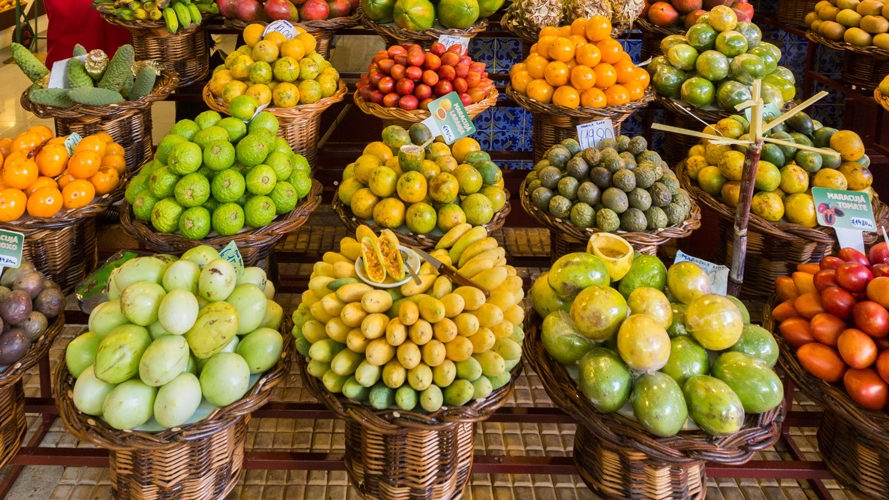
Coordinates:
x,y
128,123
300,125
553,124
862,66
255,245
404,117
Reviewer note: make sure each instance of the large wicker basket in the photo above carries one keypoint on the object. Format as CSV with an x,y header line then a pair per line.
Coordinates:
x,y
569,238
200,461
854,442
186,53
396,35
863,67
255,245
12,394
617,458
773,248
403,455
323,30
530,34
300,125
553,124
416,240
128,123
405,118
652,35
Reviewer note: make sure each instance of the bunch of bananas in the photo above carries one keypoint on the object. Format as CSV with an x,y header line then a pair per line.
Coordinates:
x,y
174,13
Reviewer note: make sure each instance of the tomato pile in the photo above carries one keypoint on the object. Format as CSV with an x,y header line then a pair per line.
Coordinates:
x,y
40,177
834,314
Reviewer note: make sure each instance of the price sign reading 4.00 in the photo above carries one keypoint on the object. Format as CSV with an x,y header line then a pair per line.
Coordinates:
x,y
589,135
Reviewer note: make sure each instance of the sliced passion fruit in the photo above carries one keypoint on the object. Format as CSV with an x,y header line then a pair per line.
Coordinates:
x,y
372,259
364,230
392,259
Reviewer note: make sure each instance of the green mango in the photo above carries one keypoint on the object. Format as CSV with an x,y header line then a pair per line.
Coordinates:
x,y
659,405
713,405
757,385
604,379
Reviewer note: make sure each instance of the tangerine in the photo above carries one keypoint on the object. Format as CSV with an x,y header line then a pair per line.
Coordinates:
x,y
293,48
116,162
114,148
556,73
582,77
593,98
45,202
5,146
78,193
518,67
606,76
566,96
40,183
51,159
544,43
65,179
276,37
25,142
91,143
578,27
588,55
549,31
12,204
105,136
540,91
536,65
253,33
520,81
642,77
617,95
597,28
626,71
635,89
105,180
19,174
611,50
42,131
565,31
577,40
562,49
84,164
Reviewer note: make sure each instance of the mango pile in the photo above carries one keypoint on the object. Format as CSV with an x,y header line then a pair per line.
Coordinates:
x,y
421,345
641,338
861,23
785,173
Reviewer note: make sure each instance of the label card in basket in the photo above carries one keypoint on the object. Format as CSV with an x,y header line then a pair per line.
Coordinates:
x,y
230,253
58,71
450,40
590,134
11,245
449,118
848,212
71,142
718,274
281,26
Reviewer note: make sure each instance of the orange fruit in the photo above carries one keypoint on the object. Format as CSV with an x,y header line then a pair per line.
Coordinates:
x,y
588,55
116,162
25,142
19,174
78,193
520,81
611,50
105,136
114,148
617,95
635,89
565,31
548,31
544,43
556,73
606,76
597,28
518,67
536,65
641,76
625,71
540,91
253,33
42,131
45,202
562,49
582,77
593,98
12,204
84,164
91,143
276,37
56,140
566,96
51,159
5,146
293,48
578,27
65,179
577,40
105,180
624,57
40,183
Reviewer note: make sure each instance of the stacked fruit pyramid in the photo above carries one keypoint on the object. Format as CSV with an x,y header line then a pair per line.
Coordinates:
x,y
418,16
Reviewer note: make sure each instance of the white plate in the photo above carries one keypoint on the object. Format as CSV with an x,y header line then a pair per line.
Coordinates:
x,y
411,261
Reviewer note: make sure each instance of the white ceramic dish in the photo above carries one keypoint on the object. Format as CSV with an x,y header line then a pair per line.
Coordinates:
x,y
411,262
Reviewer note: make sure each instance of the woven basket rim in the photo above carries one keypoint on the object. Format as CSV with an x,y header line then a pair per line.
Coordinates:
x,y
269,234
759,432
638,239
96,431
36,352
870,50
708,115
155,27
293,113
881,98
417,240
315,27
647,26
418,115
392,30
615,113
163,87
395,421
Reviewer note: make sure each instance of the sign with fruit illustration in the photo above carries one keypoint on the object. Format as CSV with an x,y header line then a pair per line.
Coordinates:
x,y
844,209
11,245
449,118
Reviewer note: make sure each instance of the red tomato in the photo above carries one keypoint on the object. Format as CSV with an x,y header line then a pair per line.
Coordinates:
x,y
880,269
879,253
826,328
821,361
837,301
854,276
872,318
883,366
878,290
825,278
796,331
857,348
866,388
831,262
851,255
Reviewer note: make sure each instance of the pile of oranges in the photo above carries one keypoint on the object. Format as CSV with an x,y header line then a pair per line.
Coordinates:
x,y
39,177
579,65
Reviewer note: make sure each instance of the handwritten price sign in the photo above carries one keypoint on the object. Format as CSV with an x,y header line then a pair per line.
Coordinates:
x,y
589,135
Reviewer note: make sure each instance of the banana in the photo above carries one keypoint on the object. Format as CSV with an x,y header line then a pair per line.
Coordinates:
x,y
453,234
182,14
195,13
475,249
171,20
477,233
155,14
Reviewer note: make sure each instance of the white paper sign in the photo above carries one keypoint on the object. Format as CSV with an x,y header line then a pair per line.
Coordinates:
x,y
286,28
58,72
718,274
230,253
589,135
71,142
449,40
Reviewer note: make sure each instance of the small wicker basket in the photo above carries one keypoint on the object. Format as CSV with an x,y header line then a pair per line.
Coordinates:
x,y
553,124
128,123
619,459
405,118
652,35
396,35
569,238
793,12
12,394
415,240
403,455
863,67
200,461
255,245
300,125
186,53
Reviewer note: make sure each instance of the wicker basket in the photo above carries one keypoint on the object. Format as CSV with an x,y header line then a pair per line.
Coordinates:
x,y
405,118
396,35
553,124
255,245
402,455
12,394
793,12
570,238
619,459
854,442
882,99
773,248
415,240
197,461
186,53
300,125
323,30
530,34
864,67
128,123
652,36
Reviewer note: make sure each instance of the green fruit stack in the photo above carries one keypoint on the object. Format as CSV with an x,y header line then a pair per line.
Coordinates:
x,y
657,341
420,15
221,175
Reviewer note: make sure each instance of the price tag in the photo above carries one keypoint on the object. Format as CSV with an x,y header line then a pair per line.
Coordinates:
x,y
11,245
718,274
286,28
848,212
449,40
58,72
449,118
230,253
768,110
258,110
71,142
589,135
